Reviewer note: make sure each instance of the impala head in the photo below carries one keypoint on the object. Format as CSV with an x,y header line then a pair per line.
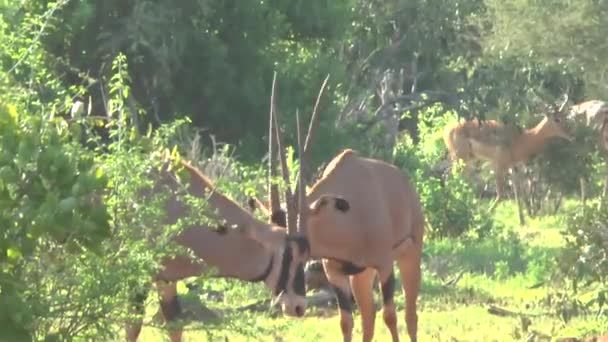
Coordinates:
x,y
554,122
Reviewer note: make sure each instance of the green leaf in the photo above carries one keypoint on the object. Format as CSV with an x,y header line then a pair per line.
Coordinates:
x,y
67,204
13,254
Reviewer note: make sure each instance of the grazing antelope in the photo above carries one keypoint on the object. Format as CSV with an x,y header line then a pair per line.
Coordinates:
x,y
363,215
503,145
595,113
279,264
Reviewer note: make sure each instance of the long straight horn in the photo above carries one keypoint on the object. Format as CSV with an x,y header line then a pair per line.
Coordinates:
x,y
289,200
273,189
302,205
312,127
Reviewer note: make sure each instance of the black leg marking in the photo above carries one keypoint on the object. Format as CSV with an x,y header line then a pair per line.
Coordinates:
x,y
170,308
388,289
348,268
344,302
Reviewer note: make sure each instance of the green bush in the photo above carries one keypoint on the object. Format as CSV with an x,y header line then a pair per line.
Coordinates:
x,y
451,206
48,202
584,260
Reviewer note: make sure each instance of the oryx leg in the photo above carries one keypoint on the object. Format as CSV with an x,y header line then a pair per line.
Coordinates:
x,y
340,283
409,269
137,300
389,312
169,305
362,287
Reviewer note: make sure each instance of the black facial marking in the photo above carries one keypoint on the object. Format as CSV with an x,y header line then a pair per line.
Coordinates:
x,y
388,289
284,272
348,268
342,204
299,281
264,275
344,302
279,218
170,308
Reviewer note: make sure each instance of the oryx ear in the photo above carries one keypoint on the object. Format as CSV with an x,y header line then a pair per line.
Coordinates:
x,y
329,201
255,203
270,236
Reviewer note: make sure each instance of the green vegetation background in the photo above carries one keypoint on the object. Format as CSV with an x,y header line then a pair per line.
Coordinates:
x,y
194,77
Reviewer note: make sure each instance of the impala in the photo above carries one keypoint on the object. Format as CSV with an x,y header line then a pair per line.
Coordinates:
x,y
503,146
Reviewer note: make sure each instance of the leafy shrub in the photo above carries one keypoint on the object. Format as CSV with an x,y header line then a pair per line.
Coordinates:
x,y
450,204
47,203
76,239
585,257
585,150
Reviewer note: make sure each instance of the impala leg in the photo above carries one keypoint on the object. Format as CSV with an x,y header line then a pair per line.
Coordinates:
x,y
582,183
389,312
137,308
518,199
362,286
604,193
170,308
499,173
409,269
340,283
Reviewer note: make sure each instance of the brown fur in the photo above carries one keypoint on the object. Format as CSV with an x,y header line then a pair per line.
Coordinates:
x,y
384,223
232,254
359,217
502,145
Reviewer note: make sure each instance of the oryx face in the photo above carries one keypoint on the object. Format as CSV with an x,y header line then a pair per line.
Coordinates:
x,y
286,273
290,288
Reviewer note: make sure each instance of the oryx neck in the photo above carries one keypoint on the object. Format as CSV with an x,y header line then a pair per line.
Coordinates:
x,y
266,273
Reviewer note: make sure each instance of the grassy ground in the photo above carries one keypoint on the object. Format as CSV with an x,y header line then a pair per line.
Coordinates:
x,y
509,271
